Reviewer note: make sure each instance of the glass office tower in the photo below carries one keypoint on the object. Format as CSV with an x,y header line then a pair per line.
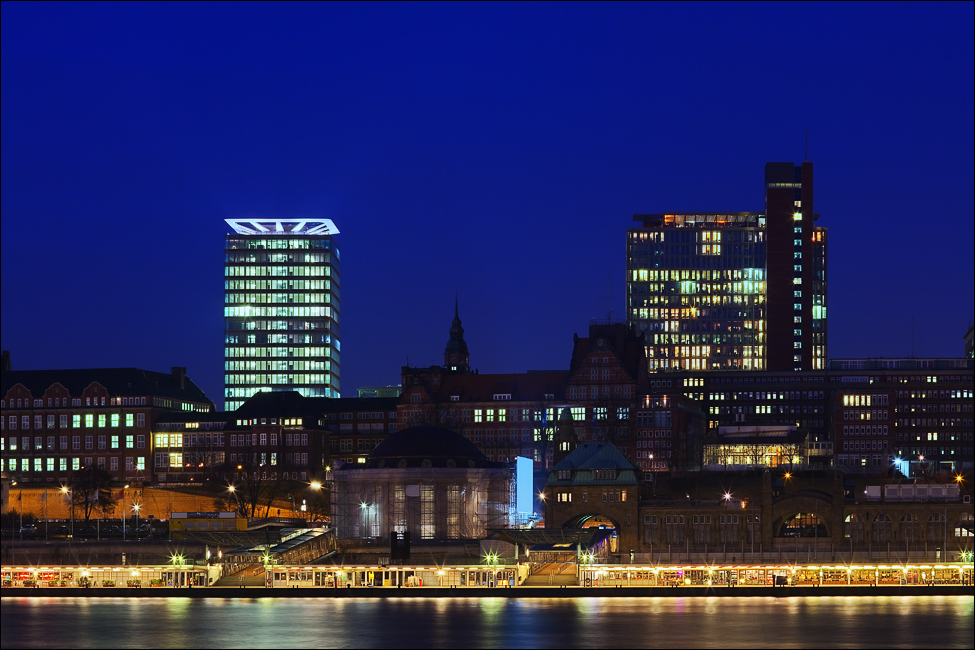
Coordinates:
x,y
733,291
281,308
697,288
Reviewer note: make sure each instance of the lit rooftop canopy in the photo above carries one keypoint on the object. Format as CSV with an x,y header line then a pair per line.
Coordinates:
x,y
283,226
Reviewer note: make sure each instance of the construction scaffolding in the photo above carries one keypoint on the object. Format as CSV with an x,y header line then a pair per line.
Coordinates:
x,y
431,503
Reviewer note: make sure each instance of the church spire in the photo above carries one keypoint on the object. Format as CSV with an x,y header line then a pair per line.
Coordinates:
x,y
456,358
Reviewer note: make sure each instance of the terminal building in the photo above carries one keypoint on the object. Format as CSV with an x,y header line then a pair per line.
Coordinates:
x,y
281,309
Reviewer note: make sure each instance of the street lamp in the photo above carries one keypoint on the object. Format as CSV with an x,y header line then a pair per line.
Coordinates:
x,y
66,491
136,507
123,512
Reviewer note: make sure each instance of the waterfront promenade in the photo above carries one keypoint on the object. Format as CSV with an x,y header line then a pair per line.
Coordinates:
x,y
489,592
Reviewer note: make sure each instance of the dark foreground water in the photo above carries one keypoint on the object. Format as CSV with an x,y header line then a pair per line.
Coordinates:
x,y
908,622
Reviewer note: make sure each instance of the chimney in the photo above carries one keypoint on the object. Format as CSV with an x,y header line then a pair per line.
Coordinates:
x,y
5,361
179,376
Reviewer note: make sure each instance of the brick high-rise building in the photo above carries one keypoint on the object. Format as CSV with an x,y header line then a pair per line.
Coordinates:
x,y
733,290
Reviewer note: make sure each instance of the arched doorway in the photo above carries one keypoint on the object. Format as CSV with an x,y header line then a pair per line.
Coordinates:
x,y
803,524
601,522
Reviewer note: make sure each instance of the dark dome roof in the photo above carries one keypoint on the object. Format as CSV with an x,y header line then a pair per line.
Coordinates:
x,y
426,446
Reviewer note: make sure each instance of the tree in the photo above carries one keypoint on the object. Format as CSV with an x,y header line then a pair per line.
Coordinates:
x,y
91,489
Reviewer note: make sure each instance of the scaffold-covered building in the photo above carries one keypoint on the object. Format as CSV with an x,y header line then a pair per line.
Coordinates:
x,y
429,481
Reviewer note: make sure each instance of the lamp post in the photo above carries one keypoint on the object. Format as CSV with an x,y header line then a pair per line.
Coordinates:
x,y
123,512
135,508
66,491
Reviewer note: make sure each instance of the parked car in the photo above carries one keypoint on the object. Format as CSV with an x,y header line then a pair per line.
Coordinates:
x,y
61,531
30,530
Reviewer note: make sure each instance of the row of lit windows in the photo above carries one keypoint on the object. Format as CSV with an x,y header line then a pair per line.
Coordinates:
x,y
238,257
864,415
272,379
287,364
131,442
90,420
703,351
264,439
278,271
247,350
706,275
291,243
132,463
61,402
248,311
272,285
278,298
735,363
766,395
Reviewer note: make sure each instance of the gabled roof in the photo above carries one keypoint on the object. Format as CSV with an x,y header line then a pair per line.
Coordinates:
x,y
585,459
117,381
617,339
426,446
525,387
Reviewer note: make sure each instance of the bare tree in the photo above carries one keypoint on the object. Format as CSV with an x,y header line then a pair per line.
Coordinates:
x,y
91,490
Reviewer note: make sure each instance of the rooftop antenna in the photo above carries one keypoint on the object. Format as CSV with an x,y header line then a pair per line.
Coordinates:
x,y
912,337
609,298
805,155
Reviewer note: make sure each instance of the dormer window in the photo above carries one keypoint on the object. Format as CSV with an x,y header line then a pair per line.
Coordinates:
x,y
502,396
549,396
455,398
605,474
565,474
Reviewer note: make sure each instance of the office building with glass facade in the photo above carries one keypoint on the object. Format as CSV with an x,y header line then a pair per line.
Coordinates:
x,y
281,309
733,290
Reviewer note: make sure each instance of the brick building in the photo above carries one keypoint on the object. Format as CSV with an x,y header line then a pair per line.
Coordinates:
x,y
275,434
57,421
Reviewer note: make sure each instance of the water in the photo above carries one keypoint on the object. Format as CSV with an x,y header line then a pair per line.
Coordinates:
x,y
908,622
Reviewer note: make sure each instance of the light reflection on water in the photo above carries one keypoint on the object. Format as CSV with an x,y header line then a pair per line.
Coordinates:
x,y
910,622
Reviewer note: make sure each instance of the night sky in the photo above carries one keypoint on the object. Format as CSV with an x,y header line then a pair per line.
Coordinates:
x,y
498,152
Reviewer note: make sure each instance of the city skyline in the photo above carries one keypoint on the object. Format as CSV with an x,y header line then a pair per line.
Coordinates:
x,y
501,164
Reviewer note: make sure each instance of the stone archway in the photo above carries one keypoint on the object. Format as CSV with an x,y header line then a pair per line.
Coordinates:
x,y
804,514
591,520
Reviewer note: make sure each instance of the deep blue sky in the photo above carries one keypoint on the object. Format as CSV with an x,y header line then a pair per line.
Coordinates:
x,y
496,151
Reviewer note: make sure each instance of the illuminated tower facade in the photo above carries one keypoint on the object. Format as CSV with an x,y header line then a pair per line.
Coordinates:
x,y
733,290
281,308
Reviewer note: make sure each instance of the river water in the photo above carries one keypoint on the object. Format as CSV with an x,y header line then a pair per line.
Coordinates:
x,y
829,621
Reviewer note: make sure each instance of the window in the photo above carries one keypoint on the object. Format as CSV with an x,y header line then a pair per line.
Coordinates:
x,y
140,419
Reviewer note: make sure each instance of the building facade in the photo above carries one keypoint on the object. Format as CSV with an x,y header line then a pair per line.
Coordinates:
x,y
760,515
869,416
733,291
281,309
426,480
58,421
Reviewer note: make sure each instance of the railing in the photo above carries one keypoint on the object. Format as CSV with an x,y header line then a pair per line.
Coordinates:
x,y
802,550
